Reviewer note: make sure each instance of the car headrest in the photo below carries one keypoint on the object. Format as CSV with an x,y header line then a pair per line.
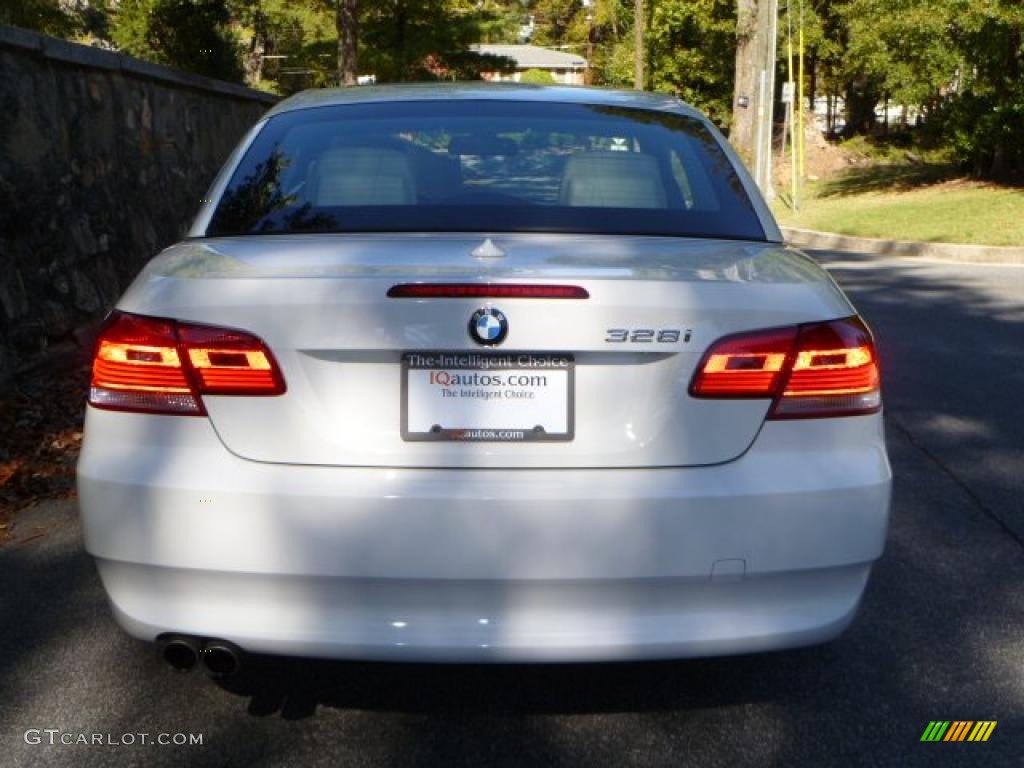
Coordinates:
x,y
612,180
362,176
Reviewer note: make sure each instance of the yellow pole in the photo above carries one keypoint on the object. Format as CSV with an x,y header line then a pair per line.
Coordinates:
x,y
789,108
800,109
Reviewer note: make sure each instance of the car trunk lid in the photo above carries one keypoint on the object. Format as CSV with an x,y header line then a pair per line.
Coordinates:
x,y
321,303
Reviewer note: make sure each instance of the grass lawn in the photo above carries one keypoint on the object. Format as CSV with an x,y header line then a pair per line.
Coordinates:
x,y
910,203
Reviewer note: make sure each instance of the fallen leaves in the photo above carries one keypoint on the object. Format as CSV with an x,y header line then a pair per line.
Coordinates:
x,y
40,436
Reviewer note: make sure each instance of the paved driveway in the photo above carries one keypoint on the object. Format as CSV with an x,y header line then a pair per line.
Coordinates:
x,y
940,636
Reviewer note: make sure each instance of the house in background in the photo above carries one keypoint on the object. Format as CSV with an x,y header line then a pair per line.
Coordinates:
x,y
565,68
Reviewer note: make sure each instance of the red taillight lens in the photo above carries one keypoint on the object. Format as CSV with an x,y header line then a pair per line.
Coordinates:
x,y
834,373
138,367
161,366
229,362
745,365
822,369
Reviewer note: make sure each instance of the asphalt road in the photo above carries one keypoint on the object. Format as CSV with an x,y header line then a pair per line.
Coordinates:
x,y
940,635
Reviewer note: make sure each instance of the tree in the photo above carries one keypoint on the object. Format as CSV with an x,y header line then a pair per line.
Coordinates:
x,y
287,45
191,35
639,48
613,48
347,23
290,45
500,21
983,117
560,23
406,40
898,50
76,19
690,53
46,16
750,43
959,63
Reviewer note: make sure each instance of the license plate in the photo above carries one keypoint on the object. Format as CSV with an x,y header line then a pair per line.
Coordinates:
x,y
476,397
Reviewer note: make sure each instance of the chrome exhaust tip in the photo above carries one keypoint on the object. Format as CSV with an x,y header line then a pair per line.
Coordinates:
x,y
221,658
181,653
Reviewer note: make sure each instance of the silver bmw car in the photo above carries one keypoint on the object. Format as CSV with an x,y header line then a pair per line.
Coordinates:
x,y
483,373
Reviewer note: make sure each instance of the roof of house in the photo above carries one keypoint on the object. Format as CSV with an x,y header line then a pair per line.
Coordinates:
x,y
533,56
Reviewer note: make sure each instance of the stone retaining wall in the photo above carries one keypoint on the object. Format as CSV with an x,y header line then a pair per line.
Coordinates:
x,y
103,161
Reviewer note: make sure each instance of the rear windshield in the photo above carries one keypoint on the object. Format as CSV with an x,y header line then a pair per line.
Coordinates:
x,y
485,166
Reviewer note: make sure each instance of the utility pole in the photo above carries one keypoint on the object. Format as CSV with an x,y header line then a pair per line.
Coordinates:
x,y
789,97
638,44
766,98
801,131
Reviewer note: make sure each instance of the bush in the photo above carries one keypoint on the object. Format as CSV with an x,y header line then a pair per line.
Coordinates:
x,y
537,77
987,135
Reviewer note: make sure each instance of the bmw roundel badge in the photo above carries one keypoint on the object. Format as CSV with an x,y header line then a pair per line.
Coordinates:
x,y
488,326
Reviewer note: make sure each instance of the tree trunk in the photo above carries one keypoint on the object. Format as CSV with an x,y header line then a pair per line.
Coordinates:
x,y
812,86
749,56
252,61
347,23
1007,155
861,100
404,72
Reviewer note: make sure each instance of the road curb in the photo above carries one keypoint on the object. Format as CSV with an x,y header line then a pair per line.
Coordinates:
x,y
974,254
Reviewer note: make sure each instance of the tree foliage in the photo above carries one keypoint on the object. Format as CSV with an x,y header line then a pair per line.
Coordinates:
x,y
77,19
397,40
288,45
690,52
44,16
420,39
192,35
689,45
983,116
958,64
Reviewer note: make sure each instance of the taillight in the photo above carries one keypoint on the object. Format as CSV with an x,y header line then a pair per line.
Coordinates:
x,y
746,365
163,366
810,371
138,367
228,362
834,372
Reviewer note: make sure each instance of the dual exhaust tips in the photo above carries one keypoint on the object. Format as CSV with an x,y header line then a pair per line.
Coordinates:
x,y
182,653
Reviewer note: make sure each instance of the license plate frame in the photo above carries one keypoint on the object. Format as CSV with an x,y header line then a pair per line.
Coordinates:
x,y
490,364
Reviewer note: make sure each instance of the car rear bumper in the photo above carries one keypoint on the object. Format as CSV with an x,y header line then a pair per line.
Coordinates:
x,y
772,550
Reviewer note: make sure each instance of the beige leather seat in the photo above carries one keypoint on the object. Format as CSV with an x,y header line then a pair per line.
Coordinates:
x,y
362,176
612,180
